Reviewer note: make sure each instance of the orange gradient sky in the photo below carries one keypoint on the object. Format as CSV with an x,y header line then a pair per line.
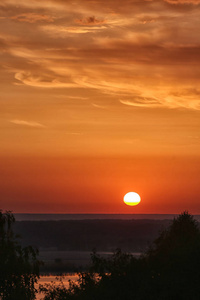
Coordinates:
x,y
99,98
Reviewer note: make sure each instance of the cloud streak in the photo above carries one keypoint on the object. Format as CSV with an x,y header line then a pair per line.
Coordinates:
x,y
141,102
27,123
179,2
38,81
33,18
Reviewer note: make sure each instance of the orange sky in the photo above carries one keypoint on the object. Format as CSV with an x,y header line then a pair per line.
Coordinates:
x,y
99,98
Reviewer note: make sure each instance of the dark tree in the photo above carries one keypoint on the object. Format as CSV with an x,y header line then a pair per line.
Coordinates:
x,y
19,267
174,261
170,269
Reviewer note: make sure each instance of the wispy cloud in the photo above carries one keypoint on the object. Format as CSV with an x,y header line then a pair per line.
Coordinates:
x,y
98,106
38,81
141,102
33,18
63,31
196,2
27,123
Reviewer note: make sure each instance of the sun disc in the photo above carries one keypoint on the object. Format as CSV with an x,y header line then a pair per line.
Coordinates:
x,y
132,199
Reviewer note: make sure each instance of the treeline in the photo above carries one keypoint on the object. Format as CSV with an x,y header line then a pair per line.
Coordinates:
x,y
168,270
85,235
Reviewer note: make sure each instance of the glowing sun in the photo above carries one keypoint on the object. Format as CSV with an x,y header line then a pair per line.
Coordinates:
x,y
132,199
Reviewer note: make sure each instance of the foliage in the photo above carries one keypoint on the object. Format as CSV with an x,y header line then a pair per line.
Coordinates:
x,y
174,260
170,269
19,267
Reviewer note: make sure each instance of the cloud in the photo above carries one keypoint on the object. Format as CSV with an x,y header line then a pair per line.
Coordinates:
x,y
28,123
90,21
98,106
33,18
37,81
63,31
195,2
142,102
183,98
106,86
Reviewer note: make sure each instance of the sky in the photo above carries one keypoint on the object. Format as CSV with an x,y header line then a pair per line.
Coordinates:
x,y
99,98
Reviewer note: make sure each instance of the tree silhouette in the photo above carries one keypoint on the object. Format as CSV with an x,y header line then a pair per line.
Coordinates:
x,y
170,269
19,267
174,261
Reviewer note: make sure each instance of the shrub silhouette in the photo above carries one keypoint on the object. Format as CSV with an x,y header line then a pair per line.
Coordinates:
x,y
19,267
170,269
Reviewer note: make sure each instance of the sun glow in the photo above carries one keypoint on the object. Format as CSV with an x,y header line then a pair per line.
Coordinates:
x,y
132,199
